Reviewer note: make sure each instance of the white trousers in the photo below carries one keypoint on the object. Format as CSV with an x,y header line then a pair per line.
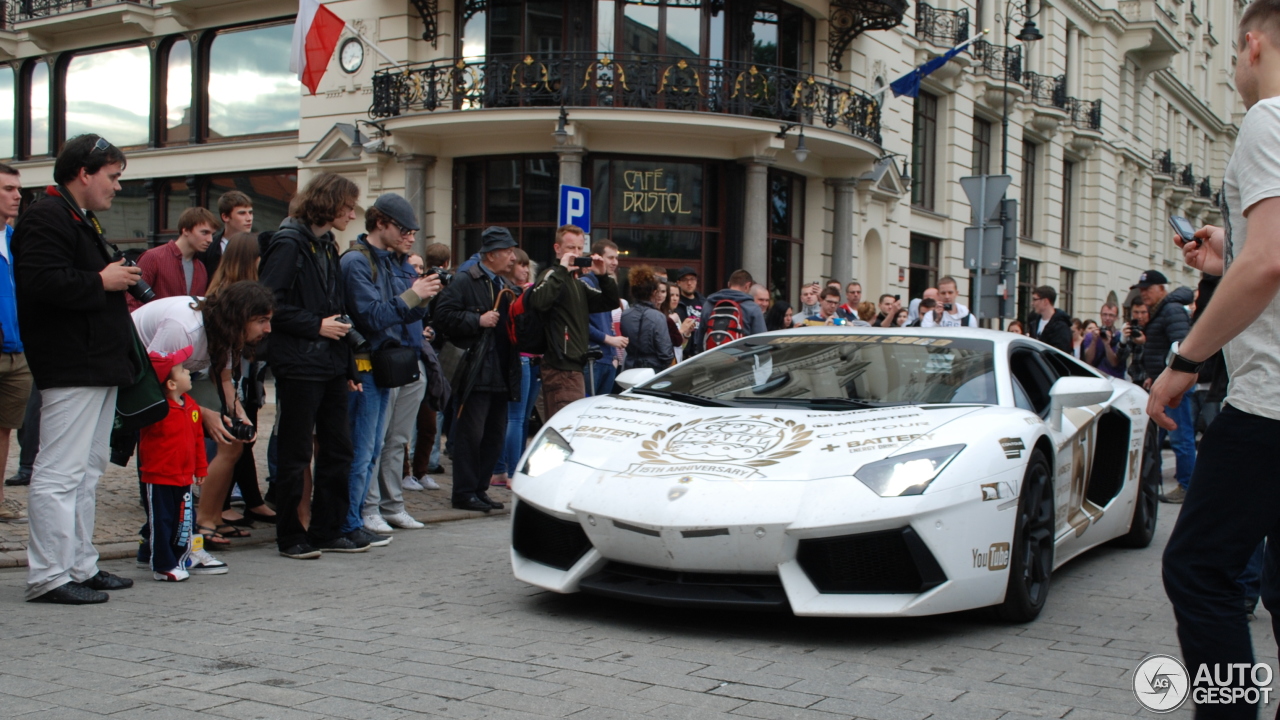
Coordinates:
x,y
75,428
387,495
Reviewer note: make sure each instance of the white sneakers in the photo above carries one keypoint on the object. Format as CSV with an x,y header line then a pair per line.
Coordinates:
x,y
202,563
410,483
375,524
430,483
175,575
402,520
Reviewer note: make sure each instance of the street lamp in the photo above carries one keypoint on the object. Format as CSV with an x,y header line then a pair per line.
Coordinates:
x,y
802,151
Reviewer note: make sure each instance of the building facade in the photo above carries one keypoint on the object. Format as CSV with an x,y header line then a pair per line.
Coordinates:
x,y
714,134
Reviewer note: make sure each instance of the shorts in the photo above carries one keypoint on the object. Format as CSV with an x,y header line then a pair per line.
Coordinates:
x,y
15,389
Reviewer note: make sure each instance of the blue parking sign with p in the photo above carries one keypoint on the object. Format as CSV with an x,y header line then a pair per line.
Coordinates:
x,y
575,207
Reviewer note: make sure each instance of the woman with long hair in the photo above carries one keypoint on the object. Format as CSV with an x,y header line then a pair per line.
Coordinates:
x,y
645,327
240,263
219,329
779,316
680,330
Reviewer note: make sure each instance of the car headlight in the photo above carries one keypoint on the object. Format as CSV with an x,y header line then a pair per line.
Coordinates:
x,y
907,474
551,451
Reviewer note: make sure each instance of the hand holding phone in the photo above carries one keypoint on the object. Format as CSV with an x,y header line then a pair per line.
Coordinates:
x,y
1183,227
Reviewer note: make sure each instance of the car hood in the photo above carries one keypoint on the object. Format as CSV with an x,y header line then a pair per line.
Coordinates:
x,y
653,437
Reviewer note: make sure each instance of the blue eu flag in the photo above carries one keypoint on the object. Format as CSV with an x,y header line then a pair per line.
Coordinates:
x,y
909,84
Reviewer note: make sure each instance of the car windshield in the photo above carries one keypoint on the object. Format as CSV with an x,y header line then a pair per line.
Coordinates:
x,y
833,371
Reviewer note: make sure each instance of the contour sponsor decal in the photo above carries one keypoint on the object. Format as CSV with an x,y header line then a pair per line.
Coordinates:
x,y
724,446
874,428
995,558
631,422
1012,447
871,339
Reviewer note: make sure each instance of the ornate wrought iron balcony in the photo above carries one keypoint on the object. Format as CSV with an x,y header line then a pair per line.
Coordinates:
x,y
1184,176
16,11
997,61
1163,162
628,82
1085,114
942,27
1205,188
1045,90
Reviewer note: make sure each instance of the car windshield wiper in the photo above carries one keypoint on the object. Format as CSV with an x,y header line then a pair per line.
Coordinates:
x,y
700,400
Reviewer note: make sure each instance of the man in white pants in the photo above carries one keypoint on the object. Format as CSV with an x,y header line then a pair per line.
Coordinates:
x,y
78,335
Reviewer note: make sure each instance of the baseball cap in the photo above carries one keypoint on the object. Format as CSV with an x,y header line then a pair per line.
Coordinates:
x,y
686,270
1151,277
163,364
396,208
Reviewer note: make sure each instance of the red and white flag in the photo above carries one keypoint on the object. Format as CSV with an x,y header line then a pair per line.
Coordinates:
x,y
315,35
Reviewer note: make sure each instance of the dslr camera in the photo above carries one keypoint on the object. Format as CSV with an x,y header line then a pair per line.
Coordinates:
x,y
353,337
141,291
241,430
445,276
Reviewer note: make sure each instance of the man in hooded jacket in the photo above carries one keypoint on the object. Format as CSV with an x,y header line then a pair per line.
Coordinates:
x,y
1053,327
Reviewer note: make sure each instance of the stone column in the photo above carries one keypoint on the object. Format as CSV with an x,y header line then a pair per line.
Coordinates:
x,y
755,223
571,165
1073,61
415,191
842,228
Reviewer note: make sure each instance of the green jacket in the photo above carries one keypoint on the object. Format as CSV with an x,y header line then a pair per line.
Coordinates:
x,y
565,303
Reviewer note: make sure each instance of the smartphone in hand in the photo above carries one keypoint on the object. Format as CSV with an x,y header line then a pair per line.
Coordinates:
x,y
1183,227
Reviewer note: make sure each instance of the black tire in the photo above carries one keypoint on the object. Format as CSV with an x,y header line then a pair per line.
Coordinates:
x,y
1146,507
1031,555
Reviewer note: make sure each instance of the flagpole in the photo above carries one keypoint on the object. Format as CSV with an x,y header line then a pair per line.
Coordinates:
x,y
957,48
367,41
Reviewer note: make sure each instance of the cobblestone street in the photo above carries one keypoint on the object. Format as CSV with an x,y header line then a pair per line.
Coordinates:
x,y
435,626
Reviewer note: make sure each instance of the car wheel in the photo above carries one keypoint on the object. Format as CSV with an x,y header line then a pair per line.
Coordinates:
x,y
1146,507
1031,556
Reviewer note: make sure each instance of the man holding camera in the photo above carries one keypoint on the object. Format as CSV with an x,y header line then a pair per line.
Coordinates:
x,y
314,368
1170,324
952,313
1135,340
565,305
77,335
1104,350
387,308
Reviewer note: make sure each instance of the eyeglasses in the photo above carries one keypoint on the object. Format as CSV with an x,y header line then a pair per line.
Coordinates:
x,y
402,229
101,145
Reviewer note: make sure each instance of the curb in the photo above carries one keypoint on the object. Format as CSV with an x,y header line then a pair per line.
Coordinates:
x,y
122,550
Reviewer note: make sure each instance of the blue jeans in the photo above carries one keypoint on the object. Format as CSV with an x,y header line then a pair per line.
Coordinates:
x,y
435,449
368,413
1183,439
604,374
518,418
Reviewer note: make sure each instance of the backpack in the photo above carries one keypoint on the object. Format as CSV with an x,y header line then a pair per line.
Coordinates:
x,y
526,327
725,324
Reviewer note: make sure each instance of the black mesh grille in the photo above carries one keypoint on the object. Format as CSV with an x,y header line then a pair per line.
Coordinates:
x,y
678,588
890,561
546,539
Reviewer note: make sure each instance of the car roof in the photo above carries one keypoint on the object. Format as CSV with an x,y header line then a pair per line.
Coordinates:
x,y
1001,338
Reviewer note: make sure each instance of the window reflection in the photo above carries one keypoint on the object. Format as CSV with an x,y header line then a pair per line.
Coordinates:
x,y
251,90
38,102
127,223
269,191
122,115
177,94
7,106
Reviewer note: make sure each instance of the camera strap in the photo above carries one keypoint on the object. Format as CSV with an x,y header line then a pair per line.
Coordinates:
x,y
86,217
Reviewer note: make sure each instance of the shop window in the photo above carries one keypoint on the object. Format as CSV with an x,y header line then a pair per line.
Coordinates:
x,y
786,233
924,151
656,209
121,116
1028,279
38,108
8,106
518,193
177,93
127,223
923,267
250,89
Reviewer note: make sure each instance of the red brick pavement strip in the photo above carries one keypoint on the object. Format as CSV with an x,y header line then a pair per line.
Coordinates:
x,y
120,516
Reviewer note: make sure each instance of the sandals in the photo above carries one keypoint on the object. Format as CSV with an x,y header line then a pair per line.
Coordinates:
x,y
212,538
259,517
228,530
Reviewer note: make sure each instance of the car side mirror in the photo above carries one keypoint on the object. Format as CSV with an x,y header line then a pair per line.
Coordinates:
x,y
1076,392
628,379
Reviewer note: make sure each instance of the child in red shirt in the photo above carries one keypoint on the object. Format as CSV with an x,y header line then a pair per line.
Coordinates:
x,y
170,454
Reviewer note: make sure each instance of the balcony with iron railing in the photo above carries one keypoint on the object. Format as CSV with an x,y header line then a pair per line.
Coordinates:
x,y
1184,176
997,61
944,28
628,82
17,11
1162,162
1085,114
1045,90
1205,188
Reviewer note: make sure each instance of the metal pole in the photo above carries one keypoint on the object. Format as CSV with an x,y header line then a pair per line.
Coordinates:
x,y
982,231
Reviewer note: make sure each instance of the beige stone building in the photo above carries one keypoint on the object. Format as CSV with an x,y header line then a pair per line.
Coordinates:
x,y
684,117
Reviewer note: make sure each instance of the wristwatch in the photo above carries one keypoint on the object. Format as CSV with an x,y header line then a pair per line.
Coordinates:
x,y
1179,363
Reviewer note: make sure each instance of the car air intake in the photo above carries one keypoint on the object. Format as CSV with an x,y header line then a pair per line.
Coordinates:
x,y
546,539
677,588
890,561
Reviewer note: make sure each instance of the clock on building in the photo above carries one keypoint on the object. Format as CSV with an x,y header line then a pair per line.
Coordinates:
x,y
351,55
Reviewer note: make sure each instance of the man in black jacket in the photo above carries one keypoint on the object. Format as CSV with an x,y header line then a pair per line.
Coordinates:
x,y
1053,327
472,312
77,334
1170,323
314,369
